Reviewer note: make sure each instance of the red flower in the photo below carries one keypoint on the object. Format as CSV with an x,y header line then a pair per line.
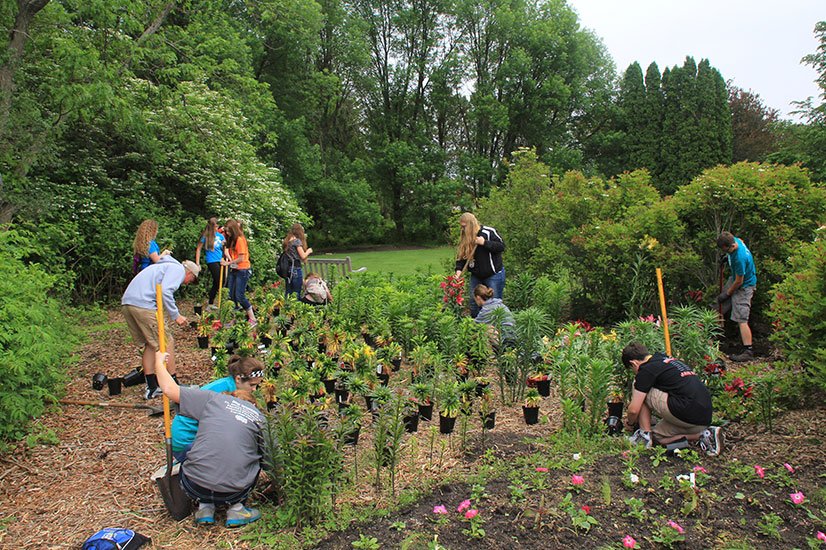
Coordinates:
x,y
587,509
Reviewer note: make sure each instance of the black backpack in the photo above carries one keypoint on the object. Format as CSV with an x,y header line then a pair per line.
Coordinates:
x,y
284,266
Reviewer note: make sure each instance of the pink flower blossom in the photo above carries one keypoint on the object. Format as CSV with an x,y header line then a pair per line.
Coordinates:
x,y
585,508
464,505
788,467
700,469
577,480
676,526
759,471
470,514
440,509
821,536
540,469
629,542
797,497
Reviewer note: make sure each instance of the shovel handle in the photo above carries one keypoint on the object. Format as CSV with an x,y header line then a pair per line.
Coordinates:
x,y
167,422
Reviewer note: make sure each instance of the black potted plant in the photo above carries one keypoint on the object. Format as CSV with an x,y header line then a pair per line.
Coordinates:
x,y
449,404
423,394
411,417
530,409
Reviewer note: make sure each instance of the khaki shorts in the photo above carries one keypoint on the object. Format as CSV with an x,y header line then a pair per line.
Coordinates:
x,y
669,425
143,326
741,304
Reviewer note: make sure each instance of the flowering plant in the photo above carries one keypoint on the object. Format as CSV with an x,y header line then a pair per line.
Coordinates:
x,y
454,290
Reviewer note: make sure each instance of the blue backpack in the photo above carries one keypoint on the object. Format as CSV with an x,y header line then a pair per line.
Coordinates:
x,y
115,538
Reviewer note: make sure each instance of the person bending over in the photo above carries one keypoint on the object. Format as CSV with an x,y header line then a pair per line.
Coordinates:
x,y
489,314
668,388
480,250
245,373
739,290
223,464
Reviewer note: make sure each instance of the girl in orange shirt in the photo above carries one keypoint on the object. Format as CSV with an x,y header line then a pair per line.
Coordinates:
x,y
240,269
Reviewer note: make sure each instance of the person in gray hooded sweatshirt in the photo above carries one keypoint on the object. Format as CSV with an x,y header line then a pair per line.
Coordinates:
x,y
488,314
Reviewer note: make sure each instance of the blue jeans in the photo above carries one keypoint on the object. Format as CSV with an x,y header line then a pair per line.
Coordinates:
x,y
180,456
238,287
495,282
295,282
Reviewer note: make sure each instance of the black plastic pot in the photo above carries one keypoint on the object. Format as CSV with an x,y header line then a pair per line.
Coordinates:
x,y
271,405
544,387
193,324
411,422
198,310
203,342
342,395
214,351
98,381
397,364
384,379
134,378
531,415
352,438
614,420
266,340
480,388
329,386
230,347
368,402
322,348
446,424
426,411
114,385
489,420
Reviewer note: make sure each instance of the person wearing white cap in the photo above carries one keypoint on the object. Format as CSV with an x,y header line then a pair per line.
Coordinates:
x,y
140,308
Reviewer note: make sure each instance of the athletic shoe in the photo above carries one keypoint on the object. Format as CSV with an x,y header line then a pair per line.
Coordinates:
x,y
205,515
747,355
711,441
239,515
641,438
152,394
211,307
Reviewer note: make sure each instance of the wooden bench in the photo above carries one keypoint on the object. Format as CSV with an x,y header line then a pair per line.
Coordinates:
x,y
331,270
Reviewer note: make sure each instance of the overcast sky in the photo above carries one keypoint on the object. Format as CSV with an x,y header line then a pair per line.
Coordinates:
x,y
756,43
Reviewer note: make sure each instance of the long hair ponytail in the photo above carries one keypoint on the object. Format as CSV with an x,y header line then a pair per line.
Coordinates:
x,y
209,233
467,240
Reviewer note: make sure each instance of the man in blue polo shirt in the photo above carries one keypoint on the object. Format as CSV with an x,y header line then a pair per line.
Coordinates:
x,y
739,291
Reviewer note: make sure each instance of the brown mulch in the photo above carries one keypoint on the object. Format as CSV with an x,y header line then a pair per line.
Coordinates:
x,y
98,475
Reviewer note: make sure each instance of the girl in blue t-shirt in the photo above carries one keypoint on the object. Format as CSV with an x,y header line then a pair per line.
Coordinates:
x,y
212,239
146,250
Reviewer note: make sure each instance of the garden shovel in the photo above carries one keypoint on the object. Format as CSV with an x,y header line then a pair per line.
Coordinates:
x,y
153,411
177,503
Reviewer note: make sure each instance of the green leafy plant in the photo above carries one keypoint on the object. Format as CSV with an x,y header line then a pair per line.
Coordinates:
x,y
366,543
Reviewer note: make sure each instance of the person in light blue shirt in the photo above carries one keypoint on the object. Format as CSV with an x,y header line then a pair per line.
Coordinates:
x,y
212,240
245,373
739,291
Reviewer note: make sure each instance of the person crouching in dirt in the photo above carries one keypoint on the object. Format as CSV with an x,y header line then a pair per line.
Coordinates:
x,y
669,389
489,314
223,464
139,306
245,373
316,292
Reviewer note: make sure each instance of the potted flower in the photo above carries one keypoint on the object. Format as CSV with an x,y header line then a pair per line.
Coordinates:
x,y
393,353
267,388
410,417
541,382
351,418
204,328
449,404
487,409
530,409
423,393
615,406
482,383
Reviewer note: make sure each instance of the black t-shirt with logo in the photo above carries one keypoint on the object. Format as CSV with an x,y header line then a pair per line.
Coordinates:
x,y
688,398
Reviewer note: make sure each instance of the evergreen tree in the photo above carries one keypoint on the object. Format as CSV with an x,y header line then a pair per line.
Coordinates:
x,y
652,121
632,117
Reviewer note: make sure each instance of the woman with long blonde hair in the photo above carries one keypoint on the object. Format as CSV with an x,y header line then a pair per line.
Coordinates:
x,y
237,255
144,247
213,240
480,252
295,246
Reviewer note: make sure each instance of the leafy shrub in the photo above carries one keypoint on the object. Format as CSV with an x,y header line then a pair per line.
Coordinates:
x,y
798,310
35,341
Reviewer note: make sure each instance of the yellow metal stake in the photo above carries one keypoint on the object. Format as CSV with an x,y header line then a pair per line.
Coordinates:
x,y
664,314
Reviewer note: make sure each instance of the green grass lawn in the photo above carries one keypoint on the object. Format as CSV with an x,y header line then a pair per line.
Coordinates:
x,y
401,261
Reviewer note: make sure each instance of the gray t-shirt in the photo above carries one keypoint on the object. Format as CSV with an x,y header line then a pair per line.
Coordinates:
x,y
226,453
292,252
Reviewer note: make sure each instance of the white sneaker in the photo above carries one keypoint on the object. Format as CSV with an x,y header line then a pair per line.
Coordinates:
x,y
205,515
711,441
641,438
152,394
212,307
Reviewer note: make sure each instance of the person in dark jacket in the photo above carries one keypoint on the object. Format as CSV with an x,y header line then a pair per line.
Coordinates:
x,y
480,247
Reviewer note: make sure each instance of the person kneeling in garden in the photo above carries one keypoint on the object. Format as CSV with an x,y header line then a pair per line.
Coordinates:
x,y
223,464
669,389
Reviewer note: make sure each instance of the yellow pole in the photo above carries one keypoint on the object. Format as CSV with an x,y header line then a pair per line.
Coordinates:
x,y
662,309
162,348
220,285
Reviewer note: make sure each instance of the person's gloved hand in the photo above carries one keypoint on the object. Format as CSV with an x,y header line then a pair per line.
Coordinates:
x,y
723,297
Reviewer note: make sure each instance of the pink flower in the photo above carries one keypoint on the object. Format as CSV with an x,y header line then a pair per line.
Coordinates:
x,y
629,542
797,497
577,480
788,467
821,535
440,509
585,508
700,470
540,469
676,526
470,514
759,471
464,505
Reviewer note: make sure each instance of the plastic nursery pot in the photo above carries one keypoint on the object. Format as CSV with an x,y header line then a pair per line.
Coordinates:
x,y
544,387
329,386
114,385
411,422
531,415
352,438
384,379
426,411
271,405
198,309
98,381
480,388
397,364
134,378
446,424
489,420
266,340
368,402
322,348
342,395
193,324
203,342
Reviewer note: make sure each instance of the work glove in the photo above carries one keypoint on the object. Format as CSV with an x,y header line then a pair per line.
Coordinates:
x,y
723,297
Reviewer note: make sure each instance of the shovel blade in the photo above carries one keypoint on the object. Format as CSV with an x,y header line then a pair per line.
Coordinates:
x,y
177,502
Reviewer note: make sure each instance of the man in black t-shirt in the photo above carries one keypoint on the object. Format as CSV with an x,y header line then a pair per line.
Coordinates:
x,y
669,389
